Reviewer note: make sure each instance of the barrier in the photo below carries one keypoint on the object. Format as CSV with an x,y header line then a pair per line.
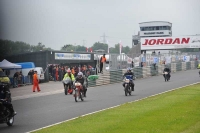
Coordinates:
x,y
21,81
28,80
115,76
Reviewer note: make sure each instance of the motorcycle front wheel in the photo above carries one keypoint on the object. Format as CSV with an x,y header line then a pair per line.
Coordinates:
x,y
76,95
81,96
10,121
126,90
66,89
130,90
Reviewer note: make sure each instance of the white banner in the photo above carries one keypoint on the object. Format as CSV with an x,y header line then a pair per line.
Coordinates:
x,y
168,60
72,56
186,58
136,61
152,43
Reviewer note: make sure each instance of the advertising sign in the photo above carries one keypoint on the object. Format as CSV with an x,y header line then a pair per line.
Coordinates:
x,y
170,42
186,58
136,61
155,60
72,56
129,60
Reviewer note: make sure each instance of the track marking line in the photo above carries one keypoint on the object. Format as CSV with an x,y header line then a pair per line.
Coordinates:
x,y
109,108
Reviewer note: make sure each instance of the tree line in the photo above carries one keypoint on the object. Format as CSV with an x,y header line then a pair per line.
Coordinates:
x,y
95,46
9,47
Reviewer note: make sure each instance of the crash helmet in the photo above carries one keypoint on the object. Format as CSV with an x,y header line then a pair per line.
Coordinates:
x,y
68,71
128,69
80,75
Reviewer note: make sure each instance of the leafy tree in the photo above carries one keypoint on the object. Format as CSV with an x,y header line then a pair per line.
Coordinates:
x,y
70,47
98,45
9,47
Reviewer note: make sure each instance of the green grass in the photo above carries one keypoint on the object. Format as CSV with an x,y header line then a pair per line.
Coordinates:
x,y
177,111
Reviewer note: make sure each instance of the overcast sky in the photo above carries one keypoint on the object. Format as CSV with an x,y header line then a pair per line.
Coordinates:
x,y
59,22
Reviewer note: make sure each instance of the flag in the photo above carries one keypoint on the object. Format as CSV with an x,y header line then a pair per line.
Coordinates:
x,y
108,46
120,47
86,49
91,50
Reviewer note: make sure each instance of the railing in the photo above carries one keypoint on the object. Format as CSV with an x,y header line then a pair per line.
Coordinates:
x,y
21,81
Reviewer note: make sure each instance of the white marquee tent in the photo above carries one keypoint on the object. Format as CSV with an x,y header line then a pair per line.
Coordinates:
x,y
8,65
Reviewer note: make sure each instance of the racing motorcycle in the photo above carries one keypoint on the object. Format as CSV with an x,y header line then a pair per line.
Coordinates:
x,y
166,76
5,114
127,80
78,92
66,83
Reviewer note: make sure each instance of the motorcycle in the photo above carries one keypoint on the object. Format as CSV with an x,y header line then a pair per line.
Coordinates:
x,y
127,89
5,114
166,76
78,92
66,83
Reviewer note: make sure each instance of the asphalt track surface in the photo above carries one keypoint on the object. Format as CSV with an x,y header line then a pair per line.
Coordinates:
x,y
37,112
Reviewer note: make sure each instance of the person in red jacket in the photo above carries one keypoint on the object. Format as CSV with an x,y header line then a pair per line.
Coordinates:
x,y
35,82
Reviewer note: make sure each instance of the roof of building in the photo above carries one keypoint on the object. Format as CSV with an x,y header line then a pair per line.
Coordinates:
x,y
155,21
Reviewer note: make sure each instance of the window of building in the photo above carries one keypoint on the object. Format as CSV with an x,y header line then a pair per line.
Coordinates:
x,y
157,27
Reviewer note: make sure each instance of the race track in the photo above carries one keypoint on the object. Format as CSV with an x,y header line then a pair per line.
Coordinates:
x,y
37,112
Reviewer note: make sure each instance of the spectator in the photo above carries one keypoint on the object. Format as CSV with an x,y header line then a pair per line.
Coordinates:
x,y
141,64
15,77
132,64
60,73
30,76
73,71
154,65
57,73
102,61
54,73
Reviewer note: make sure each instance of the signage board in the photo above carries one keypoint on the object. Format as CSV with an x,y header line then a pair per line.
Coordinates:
x,y
153,43
72,56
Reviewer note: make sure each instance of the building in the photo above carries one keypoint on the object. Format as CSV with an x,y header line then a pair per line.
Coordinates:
x,y
152,29
155,29
45,58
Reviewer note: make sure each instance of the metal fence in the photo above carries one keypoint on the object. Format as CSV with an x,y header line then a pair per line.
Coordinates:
x,y
21,81
122,61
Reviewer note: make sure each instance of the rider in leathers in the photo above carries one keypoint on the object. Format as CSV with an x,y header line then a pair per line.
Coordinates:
x,y
82,80
129,73
71,76
166,69
5,95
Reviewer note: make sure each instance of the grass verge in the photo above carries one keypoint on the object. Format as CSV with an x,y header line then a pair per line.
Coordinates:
x,y
177,111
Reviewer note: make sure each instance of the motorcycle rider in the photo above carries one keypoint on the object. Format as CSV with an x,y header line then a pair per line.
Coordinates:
x,y
71,76
82,80
133,75
5,95
167,69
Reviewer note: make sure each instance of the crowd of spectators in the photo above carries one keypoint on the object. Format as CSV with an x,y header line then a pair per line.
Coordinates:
x,y
57,72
